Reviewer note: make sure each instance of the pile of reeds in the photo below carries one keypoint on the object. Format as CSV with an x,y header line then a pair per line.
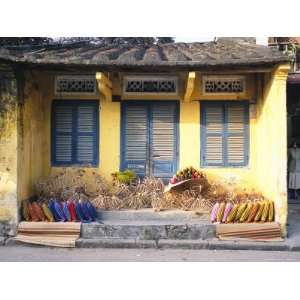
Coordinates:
x,y
69,181
146,193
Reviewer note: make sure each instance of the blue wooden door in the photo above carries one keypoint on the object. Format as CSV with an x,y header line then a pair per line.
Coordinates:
x,y
149,138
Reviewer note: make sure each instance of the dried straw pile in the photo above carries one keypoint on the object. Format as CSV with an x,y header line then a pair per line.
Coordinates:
x,y
71,180
146,193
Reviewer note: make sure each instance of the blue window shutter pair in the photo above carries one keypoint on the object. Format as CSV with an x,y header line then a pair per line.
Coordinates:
x,y
224,133
75,133
149,138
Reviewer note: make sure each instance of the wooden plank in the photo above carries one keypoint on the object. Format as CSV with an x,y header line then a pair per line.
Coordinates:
x,y
249,231
182,185
48,241
50,224
49,230
232,227
49,234
254,233
276,239
58,226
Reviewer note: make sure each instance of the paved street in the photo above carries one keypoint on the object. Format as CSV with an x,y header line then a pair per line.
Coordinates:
x,y
23,253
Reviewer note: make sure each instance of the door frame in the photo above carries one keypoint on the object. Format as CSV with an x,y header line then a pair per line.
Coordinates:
x,y
124,103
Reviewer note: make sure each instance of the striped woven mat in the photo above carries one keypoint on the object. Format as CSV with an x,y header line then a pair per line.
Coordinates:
x,y
49,234
266,232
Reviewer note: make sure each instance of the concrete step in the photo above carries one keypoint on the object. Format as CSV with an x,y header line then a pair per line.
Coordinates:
x,y
145,224
147,231
212,244
150,216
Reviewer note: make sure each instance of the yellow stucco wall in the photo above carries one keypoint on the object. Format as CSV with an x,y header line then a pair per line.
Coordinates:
x,y
8,161
189,134
36,133
32,138
8,177
271,141
110,117
266,171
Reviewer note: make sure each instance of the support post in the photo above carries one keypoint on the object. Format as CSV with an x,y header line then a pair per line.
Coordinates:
x,y
104,85
189,87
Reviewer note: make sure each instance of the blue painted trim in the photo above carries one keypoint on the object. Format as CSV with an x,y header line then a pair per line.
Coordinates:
x,y
203,106
149,163
224,104
122,137
74,104
148,104
177,142
225,133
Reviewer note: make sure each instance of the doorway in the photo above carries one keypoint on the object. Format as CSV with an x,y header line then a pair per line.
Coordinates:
x,y
293,127
149,138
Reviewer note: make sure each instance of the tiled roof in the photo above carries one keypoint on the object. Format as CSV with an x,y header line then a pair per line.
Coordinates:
x,y
222,53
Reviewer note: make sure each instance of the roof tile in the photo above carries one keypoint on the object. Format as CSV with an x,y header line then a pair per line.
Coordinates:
x,y
220,53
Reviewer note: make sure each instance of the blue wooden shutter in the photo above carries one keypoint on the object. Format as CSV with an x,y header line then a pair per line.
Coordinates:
x,y
87,133
135,138
62,139
237,119
224,133
163,142
212,134
75,135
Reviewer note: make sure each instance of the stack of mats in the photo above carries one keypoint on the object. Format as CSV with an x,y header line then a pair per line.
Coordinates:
x,y
49,234
266,232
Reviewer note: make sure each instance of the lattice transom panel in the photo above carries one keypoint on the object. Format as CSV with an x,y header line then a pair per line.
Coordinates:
x,y
143,84
223,85
75,85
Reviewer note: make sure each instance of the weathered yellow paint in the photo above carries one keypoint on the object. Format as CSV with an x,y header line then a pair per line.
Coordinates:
x,y
8,160
190,85
266,171
190,148
271,141
104,85
33,150
102,78
36,134
109,138
189,134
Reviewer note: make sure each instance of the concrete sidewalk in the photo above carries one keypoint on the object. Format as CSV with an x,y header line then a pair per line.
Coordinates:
x,y
27,254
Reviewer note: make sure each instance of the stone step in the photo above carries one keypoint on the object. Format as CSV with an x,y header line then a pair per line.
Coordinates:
x,y
147,231
148,215
212,244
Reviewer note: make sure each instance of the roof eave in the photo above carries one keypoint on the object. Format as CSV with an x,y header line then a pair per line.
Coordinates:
x,y
150,66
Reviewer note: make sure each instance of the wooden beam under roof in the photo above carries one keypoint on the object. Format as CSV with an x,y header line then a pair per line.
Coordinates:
x,y
189,86
104,85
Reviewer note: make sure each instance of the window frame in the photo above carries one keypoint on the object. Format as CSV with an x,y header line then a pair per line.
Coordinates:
x,y
225,104
75,104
